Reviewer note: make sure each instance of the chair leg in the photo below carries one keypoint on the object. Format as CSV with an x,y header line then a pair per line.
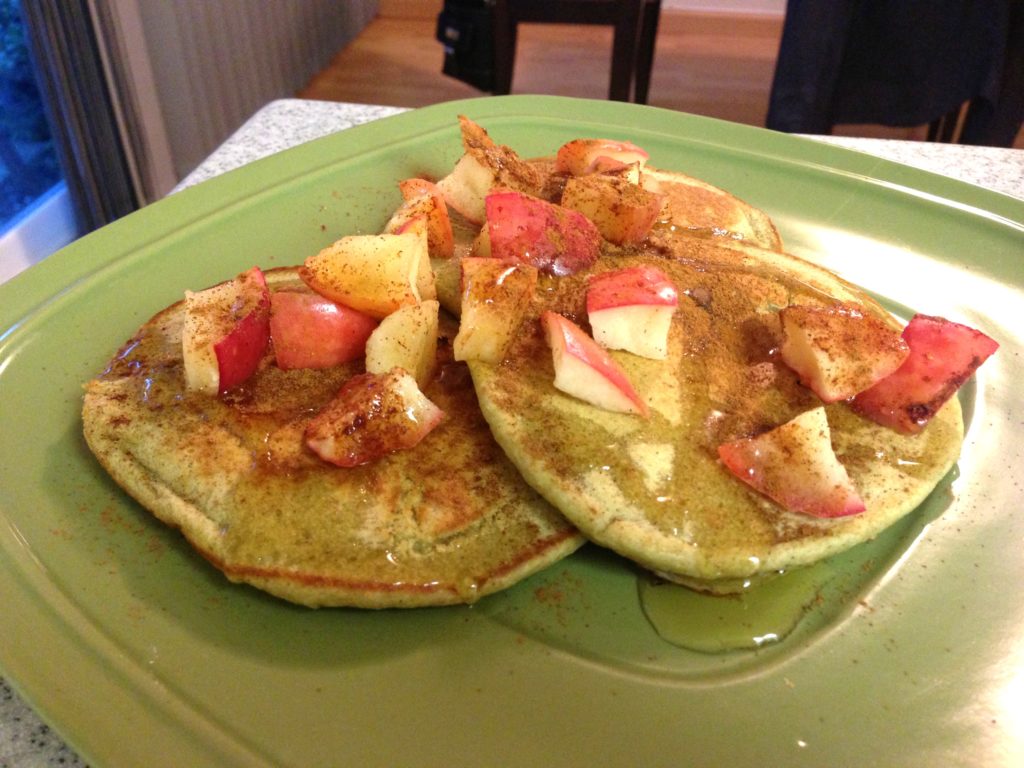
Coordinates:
x,y
505,34
943,128
624,50
645,50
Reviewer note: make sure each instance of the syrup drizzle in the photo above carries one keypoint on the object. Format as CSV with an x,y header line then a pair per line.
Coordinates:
x,y
759,616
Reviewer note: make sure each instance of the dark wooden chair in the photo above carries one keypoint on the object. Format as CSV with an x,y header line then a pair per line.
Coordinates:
x,y
635,23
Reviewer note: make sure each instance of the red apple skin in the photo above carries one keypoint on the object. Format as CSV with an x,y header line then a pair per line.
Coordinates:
x,y
239,353
643,284
583,156
373,415
562,333
310,331
525,229
794,465
943,355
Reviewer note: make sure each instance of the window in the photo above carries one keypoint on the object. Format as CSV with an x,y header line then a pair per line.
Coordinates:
x,y
65,51
36,216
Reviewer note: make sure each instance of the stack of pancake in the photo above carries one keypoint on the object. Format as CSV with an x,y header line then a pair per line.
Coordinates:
x,y
519,475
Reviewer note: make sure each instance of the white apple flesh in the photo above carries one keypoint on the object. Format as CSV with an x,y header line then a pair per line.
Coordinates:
x,y
495,296
465,188
623,212
484,167
586,371
631,309
426,287
838,351
407,339
375,274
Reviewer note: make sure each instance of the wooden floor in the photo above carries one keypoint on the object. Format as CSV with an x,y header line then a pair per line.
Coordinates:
x,y
709,64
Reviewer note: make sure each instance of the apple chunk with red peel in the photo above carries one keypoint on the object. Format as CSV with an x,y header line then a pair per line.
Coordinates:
x,y
838,351
495,296
527,230
586,371
226,332
423,199
375,274
485,166
943,355
373,415
632,309
310,331
581,157
407,339
623,212
795,466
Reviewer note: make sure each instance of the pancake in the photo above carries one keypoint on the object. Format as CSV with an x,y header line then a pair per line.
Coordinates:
x,y
448,521
699,208
691,205
653,489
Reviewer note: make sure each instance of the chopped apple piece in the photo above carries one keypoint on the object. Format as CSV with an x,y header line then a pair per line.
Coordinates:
x,y
448,284
310,331
581,157
482,244
632,309
485,166
943,355
425,282
423,199
226,332
375,274
795,466
838,351
586,371
407,339
373,414
623,212
528,230
495,296
465,188
628,173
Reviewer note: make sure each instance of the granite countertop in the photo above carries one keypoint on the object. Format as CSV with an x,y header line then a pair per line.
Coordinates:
x,y
24,739
284,123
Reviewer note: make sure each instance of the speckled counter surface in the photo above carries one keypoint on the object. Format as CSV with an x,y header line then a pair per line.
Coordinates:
x,y
285,123
25,741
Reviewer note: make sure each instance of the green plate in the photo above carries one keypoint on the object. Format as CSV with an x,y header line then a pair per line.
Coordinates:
x,y
139,653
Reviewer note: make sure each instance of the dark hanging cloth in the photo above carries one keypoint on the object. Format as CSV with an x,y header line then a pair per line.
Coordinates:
x,y
901,63
466,30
